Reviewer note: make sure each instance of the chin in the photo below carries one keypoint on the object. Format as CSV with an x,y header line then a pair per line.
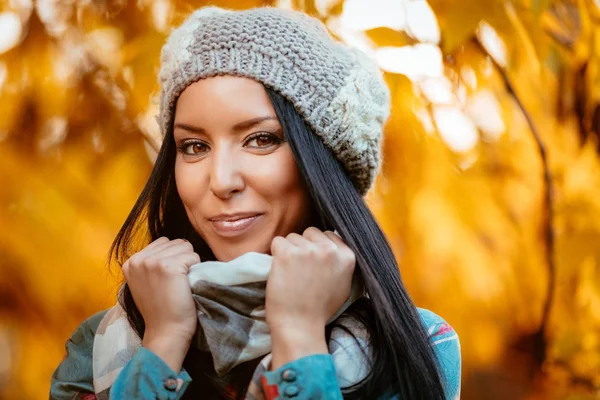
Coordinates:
x,y
228,251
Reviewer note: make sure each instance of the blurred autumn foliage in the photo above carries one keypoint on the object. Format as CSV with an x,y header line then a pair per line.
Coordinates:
x,y
490,192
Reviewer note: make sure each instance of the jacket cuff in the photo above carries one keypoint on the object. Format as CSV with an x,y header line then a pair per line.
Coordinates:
x,y
311,377
148,376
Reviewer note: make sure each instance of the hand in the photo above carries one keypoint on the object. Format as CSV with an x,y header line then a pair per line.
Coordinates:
x,y
310,279
157,278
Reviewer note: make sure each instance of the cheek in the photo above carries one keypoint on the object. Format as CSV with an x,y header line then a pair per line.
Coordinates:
x,y
189,181
278,175
280,183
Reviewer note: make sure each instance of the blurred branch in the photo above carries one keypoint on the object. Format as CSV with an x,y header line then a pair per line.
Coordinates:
x,y
587,383
540,335
564,23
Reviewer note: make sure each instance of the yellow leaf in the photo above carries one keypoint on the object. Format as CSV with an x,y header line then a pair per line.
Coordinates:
x,y
458,20
539,6
384,37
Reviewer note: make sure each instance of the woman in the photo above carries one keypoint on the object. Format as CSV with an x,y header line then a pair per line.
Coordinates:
x,y
272,134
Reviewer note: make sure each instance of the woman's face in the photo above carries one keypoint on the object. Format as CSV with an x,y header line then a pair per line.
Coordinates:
x,y
235,174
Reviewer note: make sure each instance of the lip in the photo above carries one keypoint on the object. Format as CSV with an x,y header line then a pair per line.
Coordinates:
x,y
230,225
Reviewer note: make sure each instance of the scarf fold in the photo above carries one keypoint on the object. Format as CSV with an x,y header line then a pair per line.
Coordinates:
x,y
232,327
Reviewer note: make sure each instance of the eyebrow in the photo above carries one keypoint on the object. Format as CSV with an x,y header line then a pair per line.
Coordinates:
x,y
237,127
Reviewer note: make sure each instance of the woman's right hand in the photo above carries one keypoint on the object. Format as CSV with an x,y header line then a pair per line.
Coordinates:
x,y
157,279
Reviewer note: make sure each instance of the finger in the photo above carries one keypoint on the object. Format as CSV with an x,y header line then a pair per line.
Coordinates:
x,y
156,246
315,235
347,251
158,242
171,247
297,240
181,262
173,253
174,243
189,259
125,269
335,238
279,244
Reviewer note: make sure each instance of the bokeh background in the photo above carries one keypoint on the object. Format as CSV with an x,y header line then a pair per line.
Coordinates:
x,y
490,191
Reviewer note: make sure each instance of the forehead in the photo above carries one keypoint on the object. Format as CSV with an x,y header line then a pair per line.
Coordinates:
x,y
211,98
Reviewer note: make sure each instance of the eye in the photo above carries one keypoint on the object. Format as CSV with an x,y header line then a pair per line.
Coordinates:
x,y
261,140
193,148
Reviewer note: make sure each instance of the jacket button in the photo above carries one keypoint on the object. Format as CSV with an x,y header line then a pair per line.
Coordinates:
x,y
171,384
289,375
291,391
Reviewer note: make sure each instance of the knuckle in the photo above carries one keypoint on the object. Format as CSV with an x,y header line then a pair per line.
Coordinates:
x,y
148,265
162,264
185,245
349,257
188,247
310,252
311,230
318,250
292,235
125,269
276,244
326,251
134,261
329,248
292,253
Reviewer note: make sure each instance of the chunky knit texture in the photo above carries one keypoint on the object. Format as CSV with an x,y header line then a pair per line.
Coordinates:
x,y
336,89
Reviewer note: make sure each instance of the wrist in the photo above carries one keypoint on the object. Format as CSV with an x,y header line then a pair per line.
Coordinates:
x,y
294,342
170,346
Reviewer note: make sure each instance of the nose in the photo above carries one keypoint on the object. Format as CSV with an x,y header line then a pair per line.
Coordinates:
x,y
225,174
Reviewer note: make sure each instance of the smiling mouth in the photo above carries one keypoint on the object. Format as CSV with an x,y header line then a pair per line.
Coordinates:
x,y
233,225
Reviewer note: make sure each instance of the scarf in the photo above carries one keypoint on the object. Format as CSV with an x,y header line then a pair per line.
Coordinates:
x,y
230,303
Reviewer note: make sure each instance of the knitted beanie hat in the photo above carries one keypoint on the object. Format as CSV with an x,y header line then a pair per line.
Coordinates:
x,y
338,91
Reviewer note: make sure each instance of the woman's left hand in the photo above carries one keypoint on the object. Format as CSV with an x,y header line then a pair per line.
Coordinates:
x,y
310,279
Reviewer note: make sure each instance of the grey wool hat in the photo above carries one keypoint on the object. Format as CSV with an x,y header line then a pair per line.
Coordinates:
x,y
338,90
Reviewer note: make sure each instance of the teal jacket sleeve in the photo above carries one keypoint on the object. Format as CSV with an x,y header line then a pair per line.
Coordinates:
x,y
311,377
446,346
145,376
72,379
314,377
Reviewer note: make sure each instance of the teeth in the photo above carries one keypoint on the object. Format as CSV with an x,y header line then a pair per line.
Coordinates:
x,y
236,223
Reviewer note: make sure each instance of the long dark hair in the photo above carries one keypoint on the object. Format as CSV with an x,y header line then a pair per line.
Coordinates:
x,y
403,361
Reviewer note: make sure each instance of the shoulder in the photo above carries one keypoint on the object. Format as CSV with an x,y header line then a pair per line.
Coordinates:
x,y
74,375
446,346
81,342
438,330
436,327
87,329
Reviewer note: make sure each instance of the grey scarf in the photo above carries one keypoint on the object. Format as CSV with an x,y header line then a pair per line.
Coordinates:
x,y
230,299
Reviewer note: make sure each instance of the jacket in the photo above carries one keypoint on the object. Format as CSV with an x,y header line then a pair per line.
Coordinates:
x,y
147,376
